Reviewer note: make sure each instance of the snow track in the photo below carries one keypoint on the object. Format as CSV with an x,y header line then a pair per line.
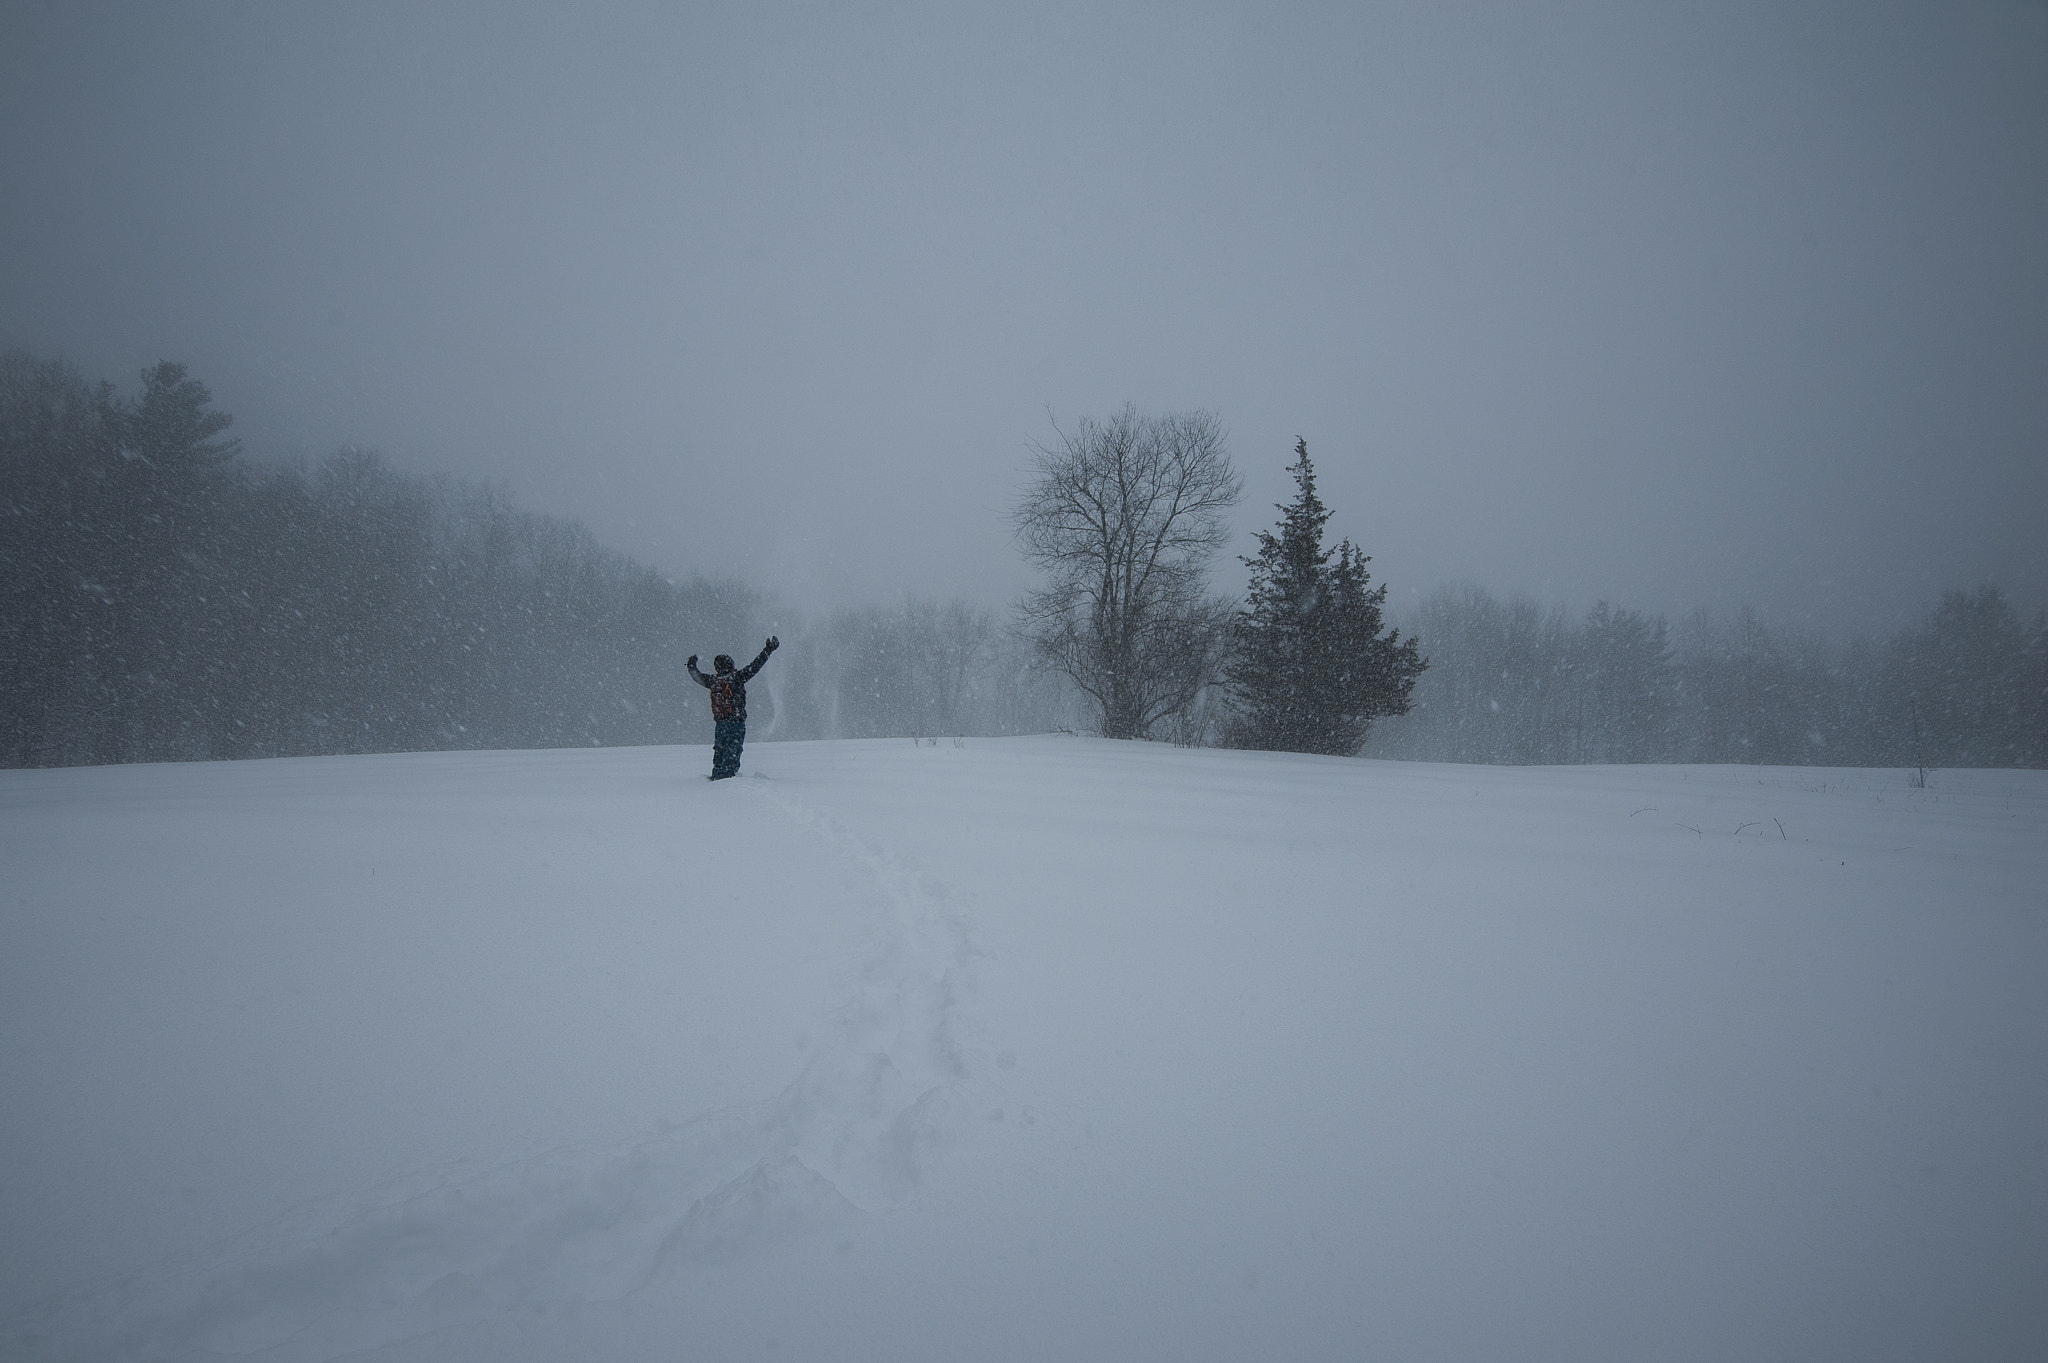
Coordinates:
x,y
1246,1056
852,1133
871,1108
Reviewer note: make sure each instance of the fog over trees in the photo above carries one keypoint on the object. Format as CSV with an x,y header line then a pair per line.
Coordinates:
x,y
1514,682
168,598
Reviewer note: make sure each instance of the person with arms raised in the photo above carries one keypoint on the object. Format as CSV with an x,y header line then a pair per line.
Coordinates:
x,y
728,688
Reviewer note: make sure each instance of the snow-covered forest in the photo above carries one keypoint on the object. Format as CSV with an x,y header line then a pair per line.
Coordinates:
x,y
167,598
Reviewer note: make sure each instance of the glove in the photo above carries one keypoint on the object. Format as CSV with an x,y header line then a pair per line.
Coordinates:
x,y
773,643
691,661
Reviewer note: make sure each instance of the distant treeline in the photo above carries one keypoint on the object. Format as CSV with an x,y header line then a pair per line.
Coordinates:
x,y
1512,682
164,599
168,600
922,668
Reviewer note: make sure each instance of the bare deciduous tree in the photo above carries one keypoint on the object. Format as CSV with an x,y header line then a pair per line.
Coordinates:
x,y
1124,519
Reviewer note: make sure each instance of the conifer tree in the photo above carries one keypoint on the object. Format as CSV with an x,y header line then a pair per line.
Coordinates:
x,y
1310,671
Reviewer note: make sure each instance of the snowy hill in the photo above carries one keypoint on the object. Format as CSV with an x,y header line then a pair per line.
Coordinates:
x,y
1020,1049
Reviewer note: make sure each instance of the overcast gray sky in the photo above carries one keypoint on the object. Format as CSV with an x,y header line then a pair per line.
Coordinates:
x,y
1673,304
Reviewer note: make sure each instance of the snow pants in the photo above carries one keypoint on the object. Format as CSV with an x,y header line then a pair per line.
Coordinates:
x,y
728,737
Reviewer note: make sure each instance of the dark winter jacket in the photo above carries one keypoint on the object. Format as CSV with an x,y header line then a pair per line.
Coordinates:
x,y
729,690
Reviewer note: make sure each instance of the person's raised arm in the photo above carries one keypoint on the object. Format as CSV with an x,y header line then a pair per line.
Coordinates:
x,y
695,675
760,660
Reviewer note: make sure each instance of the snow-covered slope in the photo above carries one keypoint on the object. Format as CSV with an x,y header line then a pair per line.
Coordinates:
x,y
1022,1049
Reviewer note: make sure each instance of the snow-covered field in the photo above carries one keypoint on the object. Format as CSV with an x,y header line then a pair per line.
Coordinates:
x,y
1025,1049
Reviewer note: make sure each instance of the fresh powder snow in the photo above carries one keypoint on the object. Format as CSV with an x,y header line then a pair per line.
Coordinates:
x,y
1020,1049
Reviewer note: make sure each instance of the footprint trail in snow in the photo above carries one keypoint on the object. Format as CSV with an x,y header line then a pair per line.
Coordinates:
x,y
852,1133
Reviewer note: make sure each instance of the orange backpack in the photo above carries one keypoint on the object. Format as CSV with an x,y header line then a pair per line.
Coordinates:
x,y
723,700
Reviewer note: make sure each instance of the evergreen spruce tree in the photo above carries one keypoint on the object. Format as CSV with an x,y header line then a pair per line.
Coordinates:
x,y
1310,671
